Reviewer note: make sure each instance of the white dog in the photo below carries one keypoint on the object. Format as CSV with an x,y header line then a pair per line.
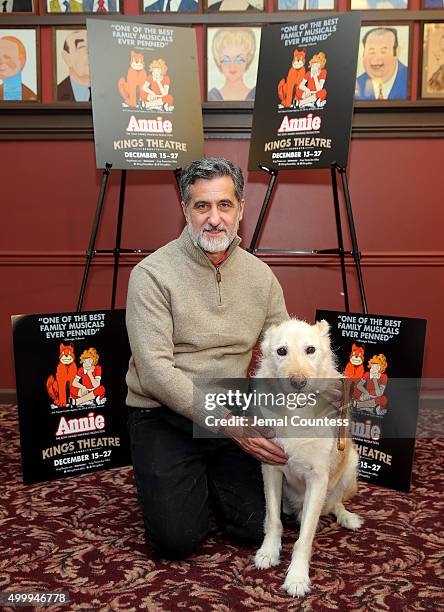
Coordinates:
x,y
318,477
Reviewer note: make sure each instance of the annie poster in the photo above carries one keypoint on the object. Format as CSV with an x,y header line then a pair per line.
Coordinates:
x,y
145,95
382,355
304,94
70,371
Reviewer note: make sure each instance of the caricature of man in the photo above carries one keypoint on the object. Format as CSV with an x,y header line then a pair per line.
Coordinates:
x,y
12,62
385,77
76,86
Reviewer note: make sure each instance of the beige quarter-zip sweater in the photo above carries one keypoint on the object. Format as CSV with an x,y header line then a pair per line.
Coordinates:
x,y
187,319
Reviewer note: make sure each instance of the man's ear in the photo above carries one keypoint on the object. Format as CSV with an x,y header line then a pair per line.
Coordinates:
x,y
241,209
183,209
66,58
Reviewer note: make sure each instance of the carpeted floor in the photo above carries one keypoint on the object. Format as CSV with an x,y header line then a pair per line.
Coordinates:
x,y
84,536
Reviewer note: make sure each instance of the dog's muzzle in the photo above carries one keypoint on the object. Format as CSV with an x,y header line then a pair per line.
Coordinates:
x,y
298,383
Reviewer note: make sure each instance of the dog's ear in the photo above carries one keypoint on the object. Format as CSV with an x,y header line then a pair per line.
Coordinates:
x,y
266,337
323,327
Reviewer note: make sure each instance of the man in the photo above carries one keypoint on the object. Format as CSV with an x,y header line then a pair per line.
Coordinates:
x,y
100,6
12,62
195,309
65,6
76,86
385,77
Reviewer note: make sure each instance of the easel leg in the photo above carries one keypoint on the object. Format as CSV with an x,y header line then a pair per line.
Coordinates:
x,y
92,241
273,176
334,184
356,253
118,237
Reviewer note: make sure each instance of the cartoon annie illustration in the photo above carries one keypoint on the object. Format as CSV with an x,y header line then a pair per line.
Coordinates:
x,y
86,386
314,93
157,87
372,387
288,89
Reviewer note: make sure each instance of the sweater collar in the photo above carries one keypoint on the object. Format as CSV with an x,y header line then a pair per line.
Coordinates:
x,y
193,249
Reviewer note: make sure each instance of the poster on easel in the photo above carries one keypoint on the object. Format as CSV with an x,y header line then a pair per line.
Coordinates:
x,y
382,356
70,373
146,105
304,93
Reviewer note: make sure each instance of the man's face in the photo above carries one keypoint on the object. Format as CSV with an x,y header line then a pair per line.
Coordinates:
x,y
77,58
10,63
213,213
379,58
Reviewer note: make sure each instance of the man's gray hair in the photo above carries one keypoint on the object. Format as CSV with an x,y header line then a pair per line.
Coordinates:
x,y
209,168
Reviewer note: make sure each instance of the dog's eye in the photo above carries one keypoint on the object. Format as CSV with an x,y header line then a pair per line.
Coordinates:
x,y
282,351
310,350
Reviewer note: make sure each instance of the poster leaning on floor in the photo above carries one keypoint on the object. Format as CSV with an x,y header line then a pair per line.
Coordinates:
x,y
70,372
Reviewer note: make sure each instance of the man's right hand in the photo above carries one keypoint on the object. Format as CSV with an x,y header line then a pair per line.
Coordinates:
x,y
255,441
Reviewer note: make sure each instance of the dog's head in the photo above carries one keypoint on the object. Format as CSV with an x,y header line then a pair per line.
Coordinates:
x,y
298,351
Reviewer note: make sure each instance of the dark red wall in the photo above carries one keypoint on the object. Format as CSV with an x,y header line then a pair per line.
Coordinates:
x,y
49,193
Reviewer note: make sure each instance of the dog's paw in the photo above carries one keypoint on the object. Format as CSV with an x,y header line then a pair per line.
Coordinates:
x,y
266,557
350,520
297,584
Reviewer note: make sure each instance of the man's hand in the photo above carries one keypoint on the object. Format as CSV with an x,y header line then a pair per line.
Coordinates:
x,y
334,394
256,442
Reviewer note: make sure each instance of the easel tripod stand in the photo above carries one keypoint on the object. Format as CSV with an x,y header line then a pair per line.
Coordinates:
x,y
339,250
118,250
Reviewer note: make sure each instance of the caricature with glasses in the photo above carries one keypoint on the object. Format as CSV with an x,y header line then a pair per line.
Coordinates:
x,y
233,52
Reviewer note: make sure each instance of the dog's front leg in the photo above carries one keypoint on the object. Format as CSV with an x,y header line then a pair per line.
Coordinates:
x,y
268,553
297,581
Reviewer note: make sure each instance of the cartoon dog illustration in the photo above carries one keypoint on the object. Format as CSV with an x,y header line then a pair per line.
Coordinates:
x,y
131,88
288,89
354,370
355,365
58,387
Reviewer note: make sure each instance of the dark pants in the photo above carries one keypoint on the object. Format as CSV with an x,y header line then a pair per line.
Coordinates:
x,y
178,477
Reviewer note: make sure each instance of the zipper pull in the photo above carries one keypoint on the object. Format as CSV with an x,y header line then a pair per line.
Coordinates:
x,y
218,276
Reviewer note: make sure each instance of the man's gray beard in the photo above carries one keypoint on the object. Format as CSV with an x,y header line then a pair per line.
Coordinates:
x,y
216,244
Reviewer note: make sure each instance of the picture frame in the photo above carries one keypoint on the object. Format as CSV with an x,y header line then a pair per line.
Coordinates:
x,y
300,6
379,77
232,57
71,77
431,83
176,6
432,4
95,7
234,6
20,79
378,5
19,7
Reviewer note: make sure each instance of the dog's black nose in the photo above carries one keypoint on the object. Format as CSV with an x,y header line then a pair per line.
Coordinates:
x,y
298,383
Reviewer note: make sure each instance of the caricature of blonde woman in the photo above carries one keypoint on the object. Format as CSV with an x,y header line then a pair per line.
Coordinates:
x,y
372,386
86,386
233,52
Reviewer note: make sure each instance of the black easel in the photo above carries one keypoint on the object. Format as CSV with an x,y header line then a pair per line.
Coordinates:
x,y
356,254
91,252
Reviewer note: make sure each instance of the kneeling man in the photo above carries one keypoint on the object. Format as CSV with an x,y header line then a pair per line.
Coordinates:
x,y
196,308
